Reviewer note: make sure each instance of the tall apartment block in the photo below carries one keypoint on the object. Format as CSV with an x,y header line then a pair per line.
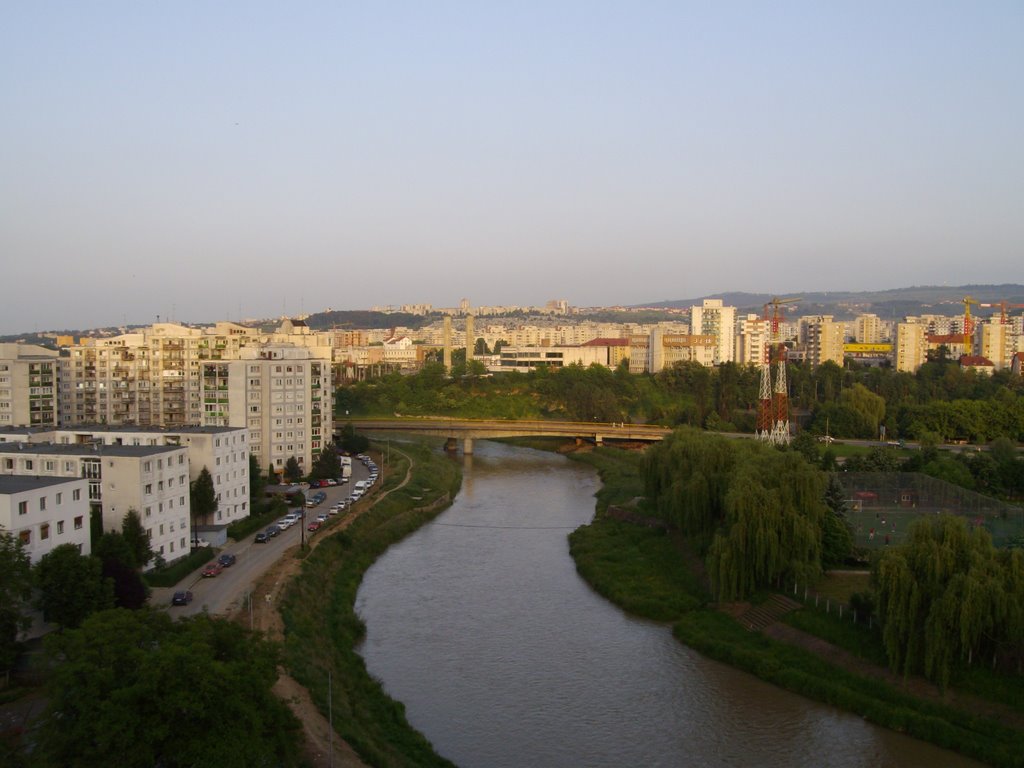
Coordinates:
x,y
868,329
753,335
823,339
281,393
713,319
29,386
911,348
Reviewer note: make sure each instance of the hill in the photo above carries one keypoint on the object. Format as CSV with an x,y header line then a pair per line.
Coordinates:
x,y
894,303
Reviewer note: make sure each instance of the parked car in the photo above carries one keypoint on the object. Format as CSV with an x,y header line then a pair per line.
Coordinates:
x,y
331,481
197,542
272,530
226,560
181,598
261,538
322,517
314,526
212,569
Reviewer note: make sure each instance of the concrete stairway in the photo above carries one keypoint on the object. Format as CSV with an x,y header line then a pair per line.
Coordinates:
x,y
757,617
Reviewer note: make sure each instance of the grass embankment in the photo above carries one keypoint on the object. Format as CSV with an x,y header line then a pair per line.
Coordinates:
x,y
322,629
645,571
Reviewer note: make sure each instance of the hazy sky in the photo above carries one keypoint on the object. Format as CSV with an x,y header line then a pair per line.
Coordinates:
x,y
212,160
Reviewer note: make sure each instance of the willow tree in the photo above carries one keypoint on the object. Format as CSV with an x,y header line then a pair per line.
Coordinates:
x,y
772,529
688,475
945,597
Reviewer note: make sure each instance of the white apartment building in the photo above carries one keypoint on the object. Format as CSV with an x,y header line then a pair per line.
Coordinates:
x,y
224,451
281,393
151,479
711,318
753,336
525,359
45,512
29,385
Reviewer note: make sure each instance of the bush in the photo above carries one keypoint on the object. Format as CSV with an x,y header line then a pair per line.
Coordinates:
x,y
170,575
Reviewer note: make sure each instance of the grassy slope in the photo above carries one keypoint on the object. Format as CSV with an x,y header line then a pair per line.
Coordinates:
x,y
323,630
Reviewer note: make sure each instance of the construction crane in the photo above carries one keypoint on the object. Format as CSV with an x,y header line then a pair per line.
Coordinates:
x,y
967,301
1003,306
773,402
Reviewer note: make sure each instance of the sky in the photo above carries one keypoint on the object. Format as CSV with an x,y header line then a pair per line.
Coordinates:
x,y
205,161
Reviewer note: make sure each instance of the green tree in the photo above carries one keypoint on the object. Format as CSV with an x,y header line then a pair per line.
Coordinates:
x,y
292,470
837,534
71,586
352,441
257,480
119,566
137,539
15,592
942,597
203,499
272,476
136,689
327,464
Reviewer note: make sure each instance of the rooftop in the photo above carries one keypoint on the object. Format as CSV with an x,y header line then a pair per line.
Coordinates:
x,y
93,449
20,483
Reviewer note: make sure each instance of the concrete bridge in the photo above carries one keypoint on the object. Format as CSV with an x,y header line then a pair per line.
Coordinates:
x,y
469,430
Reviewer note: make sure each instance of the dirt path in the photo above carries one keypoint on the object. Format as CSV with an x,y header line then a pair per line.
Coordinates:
x,y
320,745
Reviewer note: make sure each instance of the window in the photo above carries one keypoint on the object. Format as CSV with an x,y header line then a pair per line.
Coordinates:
x,y
149,488
44,531
78,523
60,499
22,507
147,466
28,463
42,503
149,511
76,494
26,537
60,527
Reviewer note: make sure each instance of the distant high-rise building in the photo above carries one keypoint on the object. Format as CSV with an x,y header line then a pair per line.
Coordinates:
x,y
714,319
281,392
911,347
823,339
29,386
868,329
753,335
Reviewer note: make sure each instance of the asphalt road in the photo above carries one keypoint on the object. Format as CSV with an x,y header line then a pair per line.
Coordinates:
x,y
226,592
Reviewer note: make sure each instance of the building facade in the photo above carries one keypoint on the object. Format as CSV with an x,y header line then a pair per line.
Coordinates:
x,y
281,393
711,318
45,512
29,386
152,480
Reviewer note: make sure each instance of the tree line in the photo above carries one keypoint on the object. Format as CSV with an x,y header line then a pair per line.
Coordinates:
x,y
760,516
939,400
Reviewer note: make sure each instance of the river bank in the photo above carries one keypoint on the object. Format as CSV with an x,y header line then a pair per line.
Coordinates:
x,y
652,574
321,630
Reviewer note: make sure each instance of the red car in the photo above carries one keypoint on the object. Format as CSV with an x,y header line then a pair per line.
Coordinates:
x,y
314,526
212,569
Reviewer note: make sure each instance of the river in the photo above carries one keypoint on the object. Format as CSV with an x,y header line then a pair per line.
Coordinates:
x,y
503,656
